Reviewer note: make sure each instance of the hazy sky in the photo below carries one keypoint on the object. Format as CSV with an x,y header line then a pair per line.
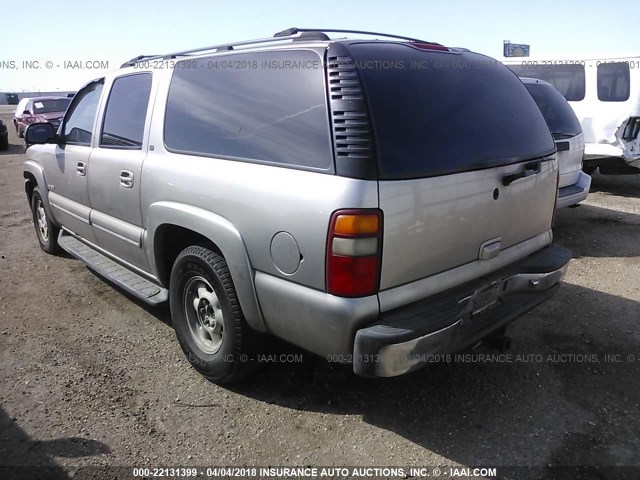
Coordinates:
x,y
80,31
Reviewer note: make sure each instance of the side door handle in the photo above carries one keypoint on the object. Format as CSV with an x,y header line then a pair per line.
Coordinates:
x,y
126,178
530,169
81,168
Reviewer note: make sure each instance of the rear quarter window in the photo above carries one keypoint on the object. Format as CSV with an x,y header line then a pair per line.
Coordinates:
x,y
268,107
437,113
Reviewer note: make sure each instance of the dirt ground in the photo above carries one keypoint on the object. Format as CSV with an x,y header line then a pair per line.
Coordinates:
x,y
90,377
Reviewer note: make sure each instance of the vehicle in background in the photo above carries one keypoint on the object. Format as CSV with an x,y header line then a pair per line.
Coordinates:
x,y
19,111
40,110
605,95
315,194
4,136
565,127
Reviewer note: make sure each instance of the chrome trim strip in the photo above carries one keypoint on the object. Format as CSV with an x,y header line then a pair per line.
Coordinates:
x,y
74,215
120,237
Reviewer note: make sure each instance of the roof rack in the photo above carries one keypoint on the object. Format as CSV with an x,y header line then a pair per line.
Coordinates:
x,y
294,30
294,34
220,47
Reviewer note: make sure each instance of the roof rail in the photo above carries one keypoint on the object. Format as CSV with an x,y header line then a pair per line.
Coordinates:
x,y
134,60
220,47
289,34
295,30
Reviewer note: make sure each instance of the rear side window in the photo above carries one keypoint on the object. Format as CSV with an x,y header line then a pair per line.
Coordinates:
x,y
569,79
438,113
555,109
613,82
267,107
126,111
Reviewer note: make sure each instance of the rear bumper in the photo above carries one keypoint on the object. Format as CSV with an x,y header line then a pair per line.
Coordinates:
x,y
402,340
573,194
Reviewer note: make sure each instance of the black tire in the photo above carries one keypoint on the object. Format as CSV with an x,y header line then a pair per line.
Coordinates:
x,y
207,317
46,231
4,143
589,169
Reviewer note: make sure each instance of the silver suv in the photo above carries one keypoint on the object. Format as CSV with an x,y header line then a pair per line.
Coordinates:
x,y
373,201
567,132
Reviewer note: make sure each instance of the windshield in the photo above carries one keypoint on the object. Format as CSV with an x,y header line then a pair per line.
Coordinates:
x,y
51,105
555,109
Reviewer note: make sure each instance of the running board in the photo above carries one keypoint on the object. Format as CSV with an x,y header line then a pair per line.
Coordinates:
x,y
129,281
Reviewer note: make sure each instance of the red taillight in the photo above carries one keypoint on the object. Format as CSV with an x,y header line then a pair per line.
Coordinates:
x,y
555,205
354,252
429,46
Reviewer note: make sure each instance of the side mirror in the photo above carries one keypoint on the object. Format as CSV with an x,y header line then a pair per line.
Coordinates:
x,y
26,112
39,133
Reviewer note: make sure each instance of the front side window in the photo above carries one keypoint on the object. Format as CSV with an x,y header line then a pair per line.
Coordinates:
x,y
126,112
613,82
79,119
267,107
569,79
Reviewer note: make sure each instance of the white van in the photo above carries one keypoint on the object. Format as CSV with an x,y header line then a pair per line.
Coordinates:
x,y
605,94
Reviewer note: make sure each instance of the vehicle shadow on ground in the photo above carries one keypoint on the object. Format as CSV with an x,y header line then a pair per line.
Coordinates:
x,y
598,232
499,413
161,312
620,185
13,149
23,457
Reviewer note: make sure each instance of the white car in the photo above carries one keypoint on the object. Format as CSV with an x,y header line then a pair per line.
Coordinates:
x,y
604,94
566,130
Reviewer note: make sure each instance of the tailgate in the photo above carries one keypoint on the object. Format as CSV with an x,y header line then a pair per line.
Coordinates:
x,y
570,153
435,224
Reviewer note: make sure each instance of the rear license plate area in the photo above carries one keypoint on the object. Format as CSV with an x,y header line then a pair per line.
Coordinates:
x,y
484,299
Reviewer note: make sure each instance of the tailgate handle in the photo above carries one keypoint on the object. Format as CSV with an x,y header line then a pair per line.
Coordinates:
x,y
530,169
490,249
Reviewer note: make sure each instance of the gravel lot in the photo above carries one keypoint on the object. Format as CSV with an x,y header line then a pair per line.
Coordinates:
x,y
91,377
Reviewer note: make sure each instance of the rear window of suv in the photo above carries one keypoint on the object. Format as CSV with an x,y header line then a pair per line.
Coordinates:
x,y
568,78
555,109
267,107
438,113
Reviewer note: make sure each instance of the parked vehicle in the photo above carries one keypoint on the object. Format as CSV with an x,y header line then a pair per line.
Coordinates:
x,y
4,136
567,132
40,110
19,111
605,95
315,189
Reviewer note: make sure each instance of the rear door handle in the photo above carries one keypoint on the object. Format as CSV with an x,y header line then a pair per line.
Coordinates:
x,y
126,179
530,169
81,168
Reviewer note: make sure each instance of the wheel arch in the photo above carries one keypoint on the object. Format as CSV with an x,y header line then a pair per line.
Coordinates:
x,y
34,177
173,226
